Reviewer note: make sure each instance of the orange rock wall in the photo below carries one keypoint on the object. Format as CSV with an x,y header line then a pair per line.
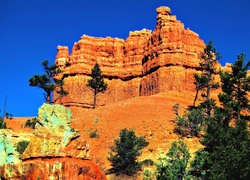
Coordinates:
x,y
53,168
145,63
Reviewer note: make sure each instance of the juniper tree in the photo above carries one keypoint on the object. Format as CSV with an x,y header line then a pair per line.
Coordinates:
x,y
97,82
48,82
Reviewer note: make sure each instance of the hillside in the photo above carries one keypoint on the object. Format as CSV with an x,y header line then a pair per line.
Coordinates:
x,y
149,116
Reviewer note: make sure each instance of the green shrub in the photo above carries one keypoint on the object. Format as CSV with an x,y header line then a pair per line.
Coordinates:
x,y
21,146
190,124
124,153
148,175
174,165
181,126
8,115
31,123
176,109
94,134
148,162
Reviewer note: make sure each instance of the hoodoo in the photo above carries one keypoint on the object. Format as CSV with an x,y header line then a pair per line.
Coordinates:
x,y
146,63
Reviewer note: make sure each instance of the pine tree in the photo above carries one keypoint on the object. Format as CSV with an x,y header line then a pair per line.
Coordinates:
x,y
227,141
192,122
48,82
97,82
235,86
124,153
204,81
200,83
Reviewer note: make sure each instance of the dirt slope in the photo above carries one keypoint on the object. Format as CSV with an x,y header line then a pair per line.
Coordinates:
x,y
149,116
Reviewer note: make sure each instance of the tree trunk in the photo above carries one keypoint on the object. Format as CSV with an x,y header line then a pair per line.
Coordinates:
x,y
48,100
47,97
209,85
196,96
208,92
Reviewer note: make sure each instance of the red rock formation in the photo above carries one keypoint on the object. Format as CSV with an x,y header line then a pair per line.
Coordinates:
x,y
145,63
54,151
53,168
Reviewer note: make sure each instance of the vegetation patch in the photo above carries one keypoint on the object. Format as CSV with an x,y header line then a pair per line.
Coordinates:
x,y
21,146
93,134
124,153
31,123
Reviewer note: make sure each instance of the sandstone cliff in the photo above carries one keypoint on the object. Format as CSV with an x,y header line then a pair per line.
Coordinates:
x,y
55,151
145,63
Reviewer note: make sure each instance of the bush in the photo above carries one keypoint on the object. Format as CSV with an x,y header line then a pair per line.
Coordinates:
x,y
148,175
176,109
174,165
8,115
181,126
31,123
21,146
148,162
124,153
94,134
190,124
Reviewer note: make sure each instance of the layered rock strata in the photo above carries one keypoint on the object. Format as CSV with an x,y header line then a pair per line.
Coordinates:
x,y
145,63
55,151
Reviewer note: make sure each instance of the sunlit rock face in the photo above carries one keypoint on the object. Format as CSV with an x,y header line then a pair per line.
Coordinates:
x,y
8,143
55,151
53,135
146,63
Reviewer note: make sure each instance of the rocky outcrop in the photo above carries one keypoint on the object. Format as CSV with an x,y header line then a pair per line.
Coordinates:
x,y
172,56
145,63
53,168
53,136
8,144
55,151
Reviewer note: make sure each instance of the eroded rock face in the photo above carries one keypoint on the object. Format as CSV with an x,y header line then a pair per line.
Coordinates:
x,y
53,168
53,135
8,144
55,151
145,63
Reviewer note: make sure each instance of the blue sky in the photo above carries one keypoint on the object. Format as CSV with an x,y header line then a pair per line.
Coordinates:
x,y
30,31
